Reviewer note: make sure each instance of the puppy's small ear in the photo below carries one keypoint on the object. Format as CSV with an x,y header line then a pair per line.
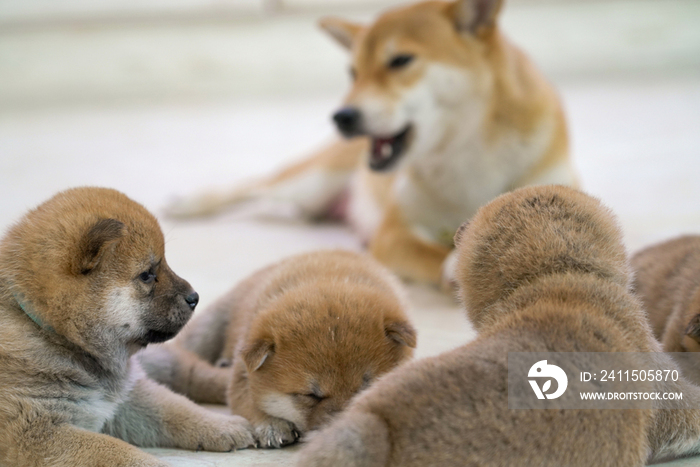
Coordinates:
x,y
94,243
255,354
342,31
460,231
476,17
693,329
401,332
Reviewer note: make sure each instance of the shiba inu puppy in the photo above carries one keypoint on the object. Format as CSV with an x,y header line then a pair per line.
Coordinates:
x,y
444,114
303,336
668,282
539,269
84,285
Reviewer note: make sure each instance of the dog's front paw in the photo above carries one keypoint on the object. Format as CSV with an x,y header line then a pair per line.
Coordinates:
x,y
276,433
219,433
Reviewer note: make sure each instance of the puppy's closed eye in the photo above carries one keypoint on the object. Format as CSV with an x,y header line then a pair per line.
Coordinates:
x,y
400,61
310,398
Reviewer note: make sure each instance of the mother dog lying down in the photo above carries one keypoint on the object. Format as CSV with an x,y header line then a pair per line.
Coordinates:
x,y
447,115
84,285
541,269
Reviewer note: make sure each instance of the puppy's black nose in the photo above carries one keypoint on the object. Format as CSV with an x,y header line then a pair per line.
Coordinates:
x,y
347,120
192,299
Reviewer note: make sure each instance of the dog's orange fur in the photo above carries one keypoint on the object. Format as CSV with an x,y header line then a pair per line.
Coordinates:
x,y
303,337
667,280
540,269
482,121
84,284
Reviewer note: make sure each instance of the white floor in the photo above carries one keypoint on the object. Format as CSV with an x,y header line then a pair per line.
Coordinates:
x,y
635,133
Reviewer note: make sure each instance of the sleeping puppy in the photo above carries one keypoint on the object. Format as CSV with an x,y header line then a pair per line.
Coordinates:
x,y
303,336
84,285
667,279
540,269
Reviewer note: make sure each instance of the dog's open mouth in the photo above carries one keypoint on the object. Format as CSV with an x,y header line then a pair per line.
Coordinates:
x,y
385,151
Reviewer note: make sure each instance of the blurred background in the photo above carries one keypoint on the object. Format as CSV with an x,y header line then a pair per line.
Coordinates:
x,y
161,98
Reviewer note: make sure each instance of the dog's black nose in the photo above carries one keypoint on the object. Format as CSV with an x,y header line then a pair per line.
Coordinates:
x,y
192,299
347,120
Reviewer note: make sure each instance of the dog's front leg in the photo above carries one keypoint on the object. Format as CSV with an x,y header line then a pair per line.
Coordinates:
x,y
270,431
676,432
47,444
155,416
398,248
185,373
310,185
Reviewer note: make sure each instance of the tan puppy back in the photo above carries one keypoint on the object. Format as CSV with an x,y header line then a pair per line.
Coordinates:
x,y
529,236
540,269
667,279
303,336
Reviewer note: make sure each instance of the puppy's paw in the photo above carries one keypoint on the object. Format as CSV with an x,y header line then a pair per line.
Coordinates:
x,y
220,433
276,433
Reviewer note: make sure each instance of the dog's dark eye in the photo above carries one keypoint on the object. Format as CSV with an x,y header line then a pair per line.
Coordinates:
x,y
400,61
147,277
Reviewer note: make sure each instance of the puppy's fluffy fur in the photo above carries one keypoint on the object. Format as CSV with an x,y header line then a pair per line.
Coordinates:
x,y
303,337
83,285
540,269
667,280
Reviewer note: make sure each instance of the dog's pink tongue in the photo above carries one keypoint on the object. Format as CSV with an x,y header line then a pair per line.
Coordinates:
x,y
382,147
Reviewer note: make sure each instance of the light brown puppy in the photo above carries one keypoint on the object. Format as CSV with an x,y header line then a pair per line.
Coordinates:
x,y
303,336
445,114
83,285
540,269
667,279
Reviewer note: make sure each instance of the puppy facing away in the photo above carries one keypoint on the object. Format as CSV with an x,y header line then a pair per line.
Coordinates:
x,y
445,114
540,269
667,279
303,336
84,285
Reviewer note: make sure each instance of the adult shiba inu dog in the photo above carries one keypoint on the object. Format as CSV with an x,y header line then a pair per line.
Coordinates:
x,y
541,269
667,279
303,336
444,114
84,284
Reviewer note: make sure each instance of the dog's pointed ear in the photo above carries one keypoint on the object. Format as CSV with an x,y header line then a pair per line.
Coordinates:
x,y
693,329
476,17
460,232
342,31
401,332
97,240
255,353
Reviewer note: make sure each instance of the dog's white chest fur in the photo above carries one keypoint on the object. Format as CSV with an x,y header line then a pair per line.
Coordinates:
x,y
99,405
452,166
437,193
